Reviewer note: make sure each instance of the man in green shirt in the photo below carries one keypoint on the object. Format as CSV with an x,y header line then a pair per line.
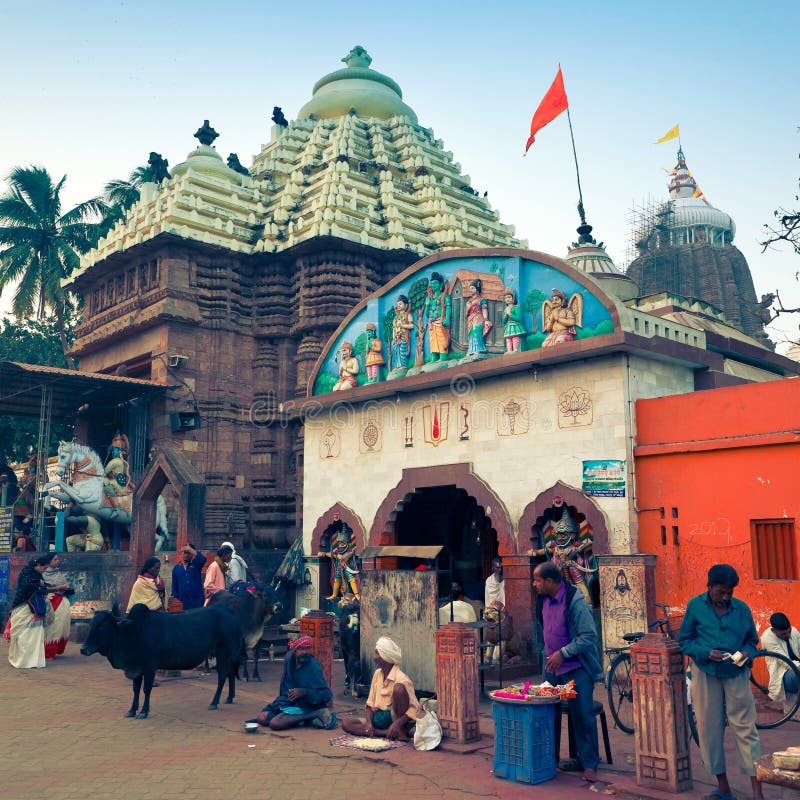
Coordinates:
x,y
719,635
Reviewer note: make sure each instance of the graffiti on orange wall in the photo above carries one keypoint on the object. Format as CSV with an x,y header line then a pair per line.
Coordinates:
x,y
717,532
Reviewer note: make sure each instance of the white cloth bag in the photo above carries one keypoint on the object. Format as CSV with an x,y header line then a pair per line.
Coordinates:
x,y
428,733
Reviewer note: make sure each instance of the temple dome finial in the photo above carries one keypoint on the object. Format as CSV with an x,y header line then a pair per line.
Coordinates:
x,y
358,57
356,88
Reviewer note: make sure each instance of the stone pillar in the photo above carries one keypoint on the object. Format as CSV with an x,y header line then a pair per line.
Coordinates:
x,y
660,716
518,577
319,626
627,595
457,681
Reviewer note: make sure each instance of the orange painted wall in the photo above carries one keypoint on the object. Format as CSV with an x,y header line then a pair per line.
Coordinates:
x,y
714,461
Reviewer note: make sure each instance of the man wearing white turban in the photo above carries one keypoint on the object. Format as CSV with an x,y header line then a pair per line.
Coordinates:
x,y
392,703
237,569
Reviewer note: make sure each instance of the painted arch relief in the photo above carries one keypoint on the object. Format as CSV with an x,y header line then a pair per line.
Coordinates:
x,y
447,312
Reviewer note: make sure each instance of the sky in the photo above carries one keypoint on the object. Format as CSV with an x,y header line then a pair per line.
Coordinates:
x,y
88,89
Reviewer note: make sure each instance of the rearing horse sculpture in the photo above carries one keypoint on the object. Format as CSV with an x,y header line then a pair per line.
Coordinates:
x,y
86,489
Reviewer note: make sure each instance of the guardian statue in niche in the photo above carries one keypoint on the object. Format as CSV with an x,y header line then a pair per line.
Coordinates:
x,y
342,554
561,318
567,542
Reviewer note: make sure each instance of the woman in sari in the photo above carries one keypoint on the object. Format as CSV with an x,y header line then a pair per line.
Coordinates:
x,y
217,569
148,588
56,630
25,630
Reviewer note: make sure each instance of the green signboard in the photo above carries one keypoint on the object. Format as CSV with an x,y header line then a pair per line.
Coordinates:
x,y
604,478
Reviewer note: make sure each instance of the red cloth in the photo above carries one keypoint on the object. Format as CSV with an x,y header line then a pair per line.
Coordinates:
x,y
302,641
553,103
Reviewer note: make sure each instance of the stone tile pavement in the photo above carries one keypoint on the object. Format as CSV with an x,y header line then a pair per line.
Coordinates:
x,y
63,736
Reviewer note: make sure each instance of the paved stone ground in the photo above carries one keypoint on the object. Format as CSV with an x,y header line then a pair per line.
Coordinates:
x,y
64,736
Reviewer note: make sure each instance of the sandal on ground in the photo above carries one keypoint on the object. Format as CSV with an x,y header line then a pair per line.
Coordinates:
x,y
570,765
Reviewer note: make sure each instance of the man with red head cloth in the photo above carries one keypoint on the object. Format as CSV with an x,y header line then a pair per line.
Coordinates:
x,y
304,694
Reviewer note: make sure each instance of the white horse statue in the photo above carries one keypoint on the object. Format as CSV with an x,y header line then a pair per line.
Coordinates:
x,y
86,489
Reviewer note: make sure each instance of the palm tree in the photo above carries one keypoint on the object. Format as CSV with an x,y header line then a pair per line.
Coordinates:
x,y
119,195
39,246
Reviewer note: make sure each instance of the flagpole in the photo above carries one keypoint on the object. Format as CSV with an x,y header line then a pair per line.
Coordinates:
x,y
577,171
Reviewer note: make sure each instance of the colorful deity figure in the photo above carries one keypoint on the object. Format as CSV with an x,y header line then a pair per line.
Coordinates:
x,y
438,310
512,317
117,484
478,322
342,554
568,544
402,325
374,359
560,318
348,368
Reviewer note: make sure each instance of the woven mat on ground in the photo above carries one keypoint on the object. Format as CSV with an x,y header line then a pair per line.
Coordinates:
x,y
363,743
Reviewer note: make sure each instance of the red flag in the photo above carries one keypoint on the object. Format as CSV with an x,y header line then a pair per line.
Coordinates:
x,y
553,103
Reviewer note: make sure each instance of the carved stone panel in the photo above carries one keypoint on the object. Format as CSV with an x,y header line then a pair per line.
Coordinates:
x,y
575,408
513,417
370,439
330,444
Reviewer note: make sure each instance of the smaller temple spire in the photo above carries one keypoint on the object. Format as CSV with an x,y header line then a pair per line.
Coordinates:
x,y
206,134
584,229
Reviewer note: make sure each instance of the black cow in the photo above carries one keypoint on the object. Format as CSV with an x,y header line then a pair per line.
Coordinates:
x,y
252,604
350,642
148,640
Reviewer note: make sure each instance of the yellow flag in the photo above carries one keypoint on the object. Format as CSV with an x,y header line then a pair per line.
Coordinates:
x,y
672,133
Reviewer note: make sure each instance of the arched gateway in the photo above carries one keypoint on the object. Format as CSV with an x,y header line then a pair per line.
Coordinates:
x,y
447,505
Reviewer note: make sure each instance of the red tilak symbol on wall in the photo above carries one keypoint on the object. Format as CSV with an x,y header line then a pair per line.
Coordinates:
x,y
435,419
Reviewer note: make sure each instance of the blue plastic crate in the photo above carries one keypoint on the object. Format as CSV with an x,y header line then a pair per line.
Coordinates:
x,y
524,746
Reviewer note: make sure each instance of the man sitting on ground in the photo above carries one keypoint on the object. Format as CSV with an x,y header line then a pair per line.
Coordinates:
x,y
304,694
783,638
392,704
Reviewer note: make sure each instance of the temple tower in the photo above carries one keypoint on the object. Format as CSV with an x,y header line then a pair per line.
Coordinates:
x,y
685,247
225,283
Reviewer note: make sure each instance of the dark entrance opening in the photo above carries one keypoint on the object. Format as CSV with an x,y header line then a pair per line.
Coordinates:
x,y
448,516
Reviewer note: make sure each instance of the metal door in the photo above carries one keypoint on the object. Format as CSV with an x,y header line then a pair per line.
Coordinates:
x,y
401,604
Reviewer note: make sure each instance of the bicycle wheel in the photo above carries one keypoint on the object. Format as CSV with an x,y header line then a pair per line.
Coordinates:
x,y
770,714
620,692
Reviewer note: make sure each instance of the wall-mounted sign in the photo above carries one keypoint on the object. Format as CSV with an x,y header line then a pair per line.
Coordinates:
x,y
5,571
604,478
6,529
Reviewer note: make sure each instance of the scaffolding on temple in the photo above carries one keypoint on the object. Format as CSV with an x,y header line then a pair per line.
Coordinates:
x,y
650,225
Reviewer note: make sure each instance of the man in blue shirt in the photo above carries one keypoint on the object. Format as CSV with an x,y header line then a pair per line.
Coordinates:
x,y
187,578
719,635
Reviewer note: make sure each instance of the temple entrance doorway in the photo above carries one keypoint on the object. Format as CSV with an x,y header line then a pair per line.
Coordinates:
x,y
450,517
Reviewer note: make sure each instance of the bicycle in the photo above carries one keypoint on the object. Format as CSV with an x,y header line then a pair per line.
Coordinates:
x,y
619,684
620,687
